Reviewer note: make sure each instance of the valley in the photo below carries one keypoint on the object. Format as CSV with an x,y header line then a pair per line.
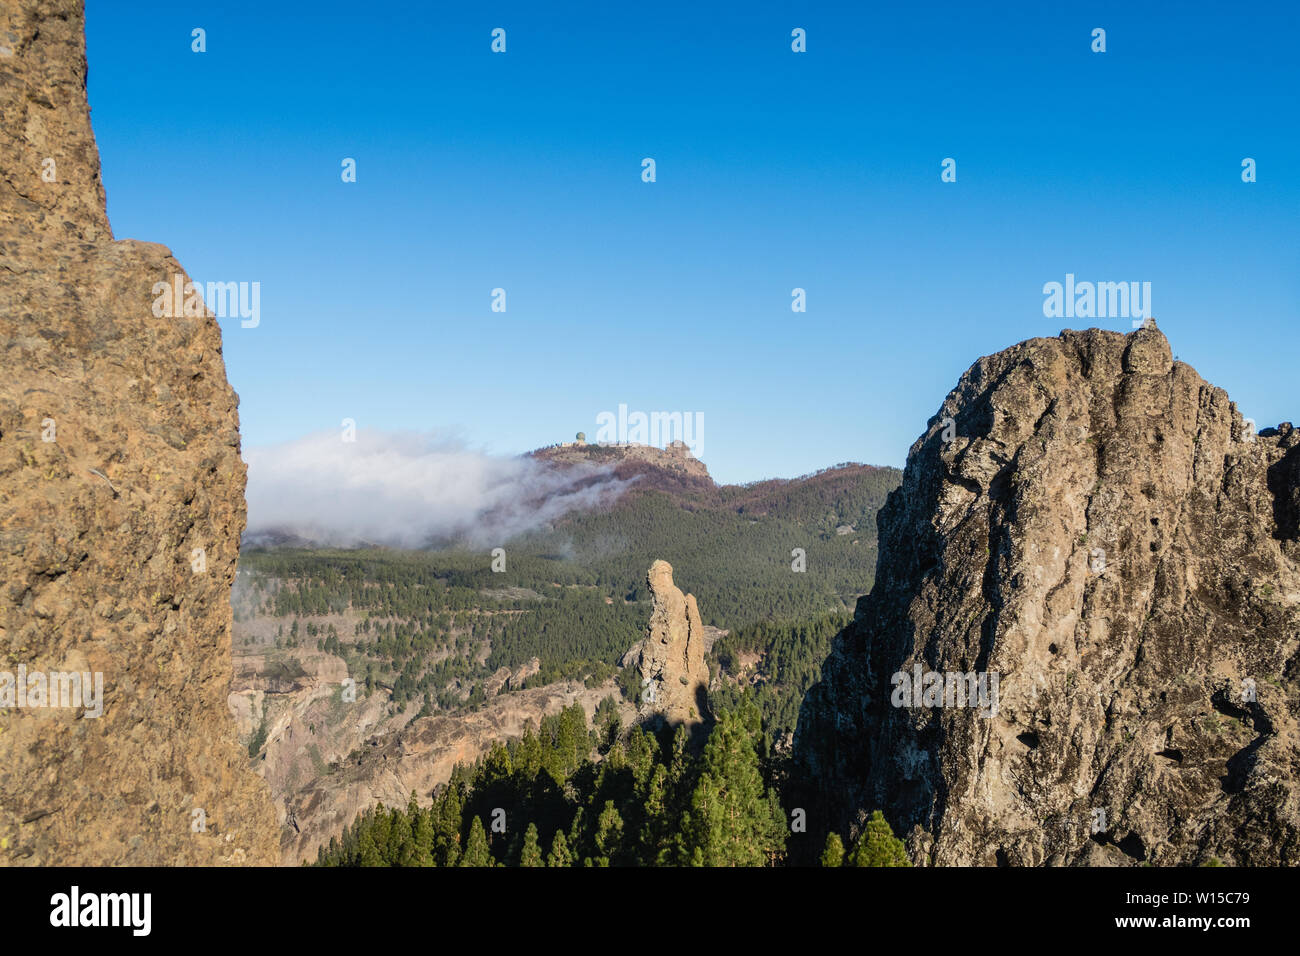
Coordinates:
x,y
272,596
363,675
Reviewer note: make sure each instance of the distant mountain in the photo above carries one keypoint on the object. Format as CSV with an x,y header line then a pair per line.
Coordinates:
x,y
781,549
672,468
433,637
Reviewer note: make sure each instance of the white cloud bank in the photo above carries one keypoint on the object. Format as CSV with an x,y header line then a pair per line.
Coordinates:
x,y
407,490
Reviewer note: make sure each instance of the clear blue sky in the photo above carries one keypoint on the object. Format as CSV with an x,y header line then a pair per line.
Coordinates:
x,y
819,170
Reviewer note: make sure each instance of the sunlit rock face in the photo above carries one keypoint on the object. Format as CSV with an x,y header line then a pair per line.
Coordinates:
x,y
121,507
670,661
1094,525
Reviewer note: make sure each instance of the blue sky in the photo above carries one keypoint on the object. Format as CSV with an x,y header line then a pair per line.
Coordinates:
x,y
775,170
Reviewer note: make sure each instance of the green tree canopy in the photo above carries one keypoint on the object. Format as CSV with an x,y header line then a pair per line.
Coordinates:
x,y
531,854
476,846
833,855
877,846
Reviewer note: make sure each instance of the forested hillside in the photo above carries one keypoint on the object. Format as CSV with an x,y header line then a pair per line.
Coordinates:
x,y
772,664
434,626
452,634
732,544
645,801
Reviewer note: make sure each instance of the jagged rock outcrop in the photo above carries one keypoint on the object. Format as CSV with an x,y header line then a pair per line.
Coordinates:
x,y
1095,525
503,678
121,507
670,661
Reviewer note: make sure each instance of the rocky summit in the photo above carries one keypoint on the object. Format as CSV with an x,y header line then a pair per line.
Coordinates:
x,y
1081,645
121,507
670,661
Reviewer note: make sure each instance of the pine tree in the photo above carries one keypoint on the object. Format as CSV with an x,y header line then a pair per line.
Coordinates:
x,y
380,828
447,824
401,836
877,846
476,846
833,855
422,831
369,851
531,854
676,788
496,765
559,855
609,835
654,846
527,758
731,820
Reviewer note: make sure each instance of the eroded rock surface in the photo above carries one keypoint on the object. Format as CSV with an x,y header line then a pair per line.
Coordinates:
x,y
1092,522
670,661
121,506
363,760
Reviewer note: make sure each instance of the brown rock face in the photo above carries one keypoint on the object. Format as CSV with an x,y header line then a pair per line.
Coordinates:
x,y
1093,524
121,507
46,118
674,677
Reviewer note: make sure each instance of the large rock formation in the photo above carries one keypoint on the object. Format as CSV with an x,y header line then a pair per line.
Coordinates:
x,y
670,661
121,506
1093,524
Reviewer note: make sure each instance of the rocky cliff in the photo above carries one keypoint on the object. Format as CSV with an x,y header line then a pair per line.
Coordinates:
x,y
323,774
121,506
670,661
1081,645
